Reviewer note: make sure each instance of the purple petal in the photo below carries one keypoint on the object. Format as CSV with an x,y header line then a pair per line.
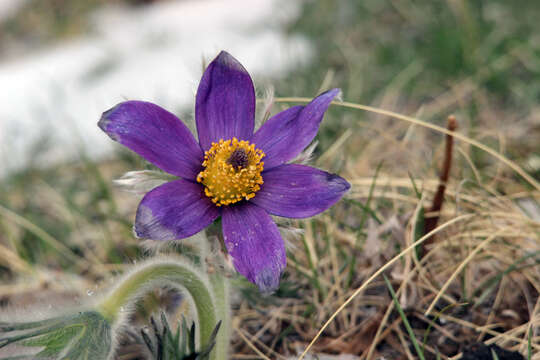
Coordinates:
x,y
225,104
174,210
155,134
255,244
299,191
287,133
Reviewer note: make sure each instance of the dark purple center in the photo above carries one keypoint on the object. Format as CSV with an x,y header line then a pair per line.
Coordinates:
x,y
239,159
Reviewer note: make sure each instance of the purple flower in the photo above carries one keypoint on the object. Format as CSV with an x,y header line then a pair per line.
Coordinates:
x,y
232,172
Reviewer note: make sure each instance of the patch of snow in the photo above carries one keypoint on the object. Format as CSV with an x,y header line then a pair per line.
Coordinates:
x,y
9,7
151,53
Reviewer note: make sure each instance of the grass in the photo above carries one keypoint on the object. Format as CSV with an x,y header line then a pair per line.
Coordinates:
x,y
410,332
65,229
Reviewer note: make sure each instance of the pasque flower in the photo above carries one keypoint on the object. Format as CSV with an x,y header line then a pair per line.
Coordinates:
x,y
232,172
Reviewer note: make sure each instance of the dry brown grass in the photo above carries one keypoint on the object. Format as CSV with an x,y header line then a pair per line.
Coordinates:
x,y
483,234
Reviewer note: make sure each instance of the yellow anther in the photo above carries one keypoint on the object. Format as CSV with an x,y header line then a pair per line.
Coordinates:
x,y
232,171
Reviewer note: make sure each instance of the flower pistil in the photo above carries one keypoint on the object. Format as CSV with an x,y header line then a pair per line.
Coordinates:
x,y
232,171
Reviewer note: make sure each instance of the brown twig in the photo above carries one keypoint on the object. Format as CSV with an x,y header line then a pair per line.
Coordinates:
x,y
430,222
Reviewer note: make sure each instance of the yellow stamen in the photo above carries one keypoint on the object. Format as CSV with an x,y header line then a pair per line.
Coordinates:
x,y
232,171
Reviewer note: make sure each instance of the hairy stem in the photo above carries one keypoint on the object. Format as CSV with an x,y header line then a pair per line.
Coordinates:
x,y
220,286
158,273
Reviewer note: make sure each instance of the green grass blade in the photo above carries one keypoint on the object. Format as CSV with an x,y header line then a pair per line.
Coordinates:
x,y
404,318
363,220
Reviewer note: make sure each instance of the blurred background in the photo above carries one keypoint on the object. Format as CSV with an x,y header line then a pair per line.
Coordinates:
x,y
64,62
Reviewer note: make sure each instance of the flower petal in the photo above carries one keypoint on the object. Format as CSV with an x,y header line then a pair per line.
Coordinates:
x,y
225,103
155,134
255,244
287,133
174,210
299,191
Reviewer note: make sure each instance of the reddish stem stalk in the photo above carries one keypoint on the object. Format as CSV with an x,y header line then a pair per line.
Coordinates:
x,y
430,223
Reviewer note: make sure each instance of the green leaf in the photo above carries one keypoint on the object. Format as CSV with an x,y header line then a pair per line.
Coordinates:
x,y
419,231
54,341
80,336
164,344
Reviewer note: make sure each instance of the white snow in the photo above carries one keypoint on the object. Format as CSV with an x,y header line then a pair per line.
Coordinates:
x,y
152,53
9,7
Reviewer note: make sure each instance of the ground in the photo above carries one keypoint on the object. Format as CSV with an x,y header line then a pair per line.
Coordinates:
x,y
65,230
